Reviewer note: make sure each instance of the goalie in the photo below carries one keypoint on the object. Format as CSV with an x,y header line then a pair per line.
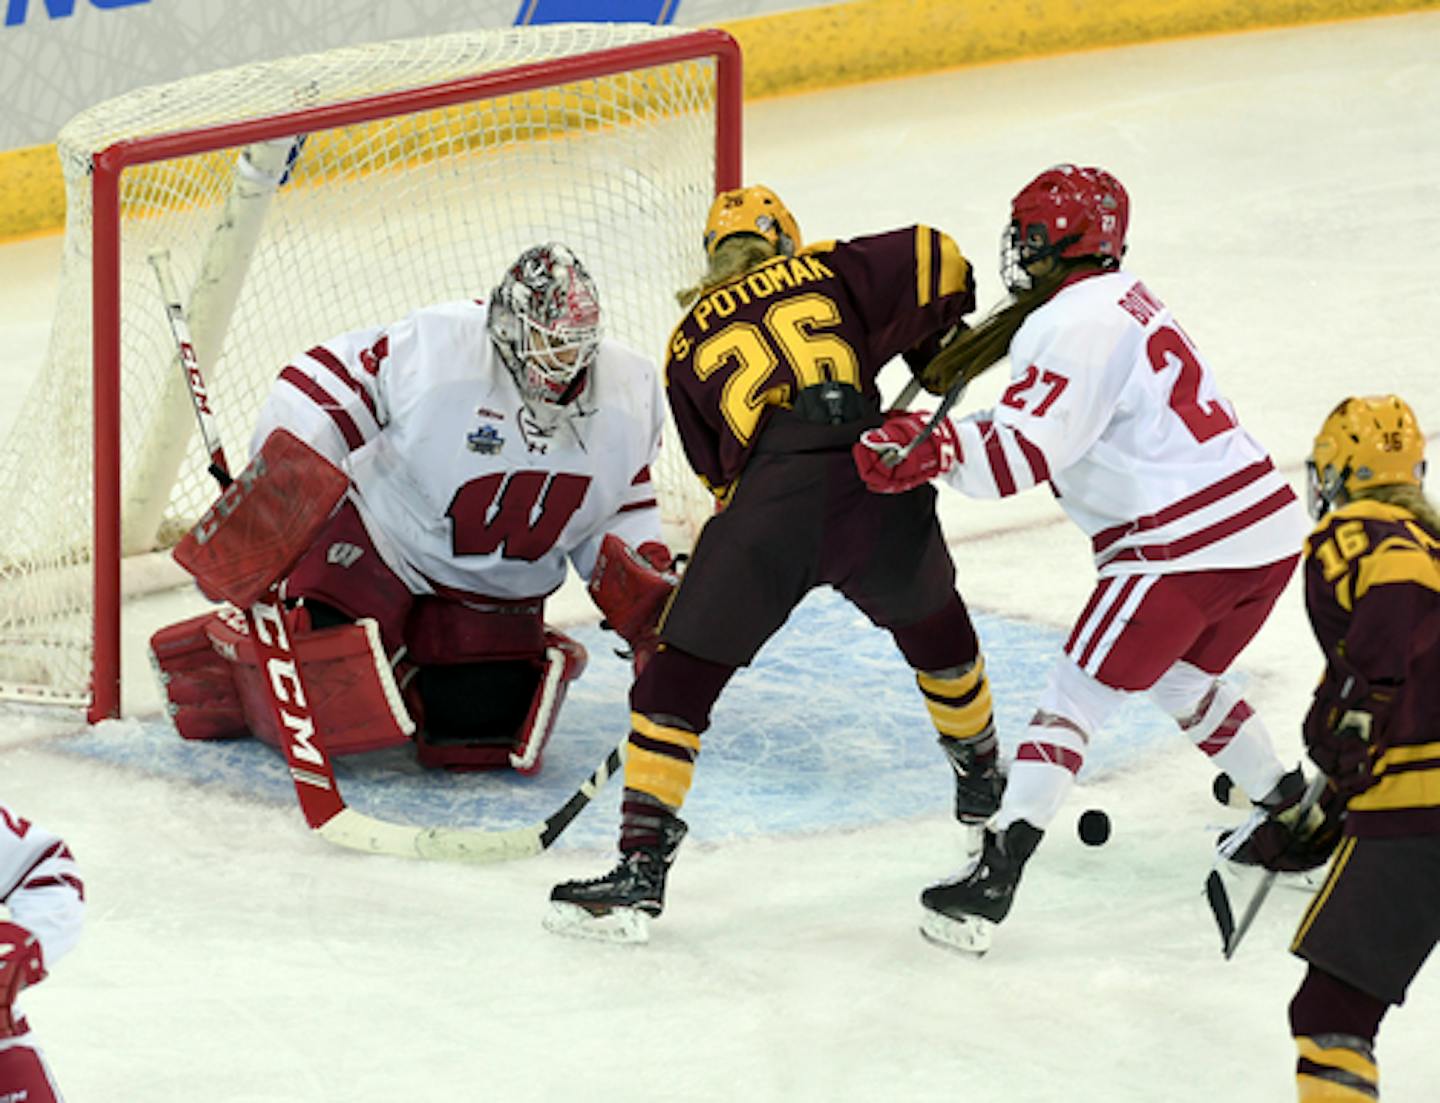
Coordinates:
x,y
487,447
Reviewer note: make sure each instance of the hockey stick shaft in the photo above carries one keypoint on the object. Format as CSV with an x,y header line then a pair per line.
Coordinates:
x,y
1252,908
190,366
311,769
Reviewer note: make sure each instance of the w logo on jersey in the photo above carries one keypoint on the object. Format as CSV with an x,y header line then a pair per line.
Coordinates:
x,y
521,515
343,554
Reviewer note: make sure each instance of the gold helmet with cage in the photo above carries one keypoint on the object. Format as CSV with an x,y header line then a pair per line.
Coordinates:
x,y
753,210
1364,443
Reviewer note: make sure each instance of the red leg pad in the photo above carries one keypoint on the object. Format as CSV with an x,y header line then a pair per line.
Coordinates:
x,y
199,687
563,661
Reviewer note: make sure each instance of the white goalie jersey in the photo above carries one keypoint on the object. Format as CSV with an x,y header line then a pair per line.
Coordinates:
x,y
460,488
1111,404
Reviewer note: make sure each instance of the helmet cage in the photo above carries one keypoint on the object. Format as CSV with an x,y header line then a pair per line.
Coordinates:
x,y
545,323
1066,212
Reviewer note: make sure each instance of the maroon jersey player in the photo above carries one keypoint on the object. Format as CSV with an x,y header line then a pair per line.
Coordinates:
x,y
771,377
1372,590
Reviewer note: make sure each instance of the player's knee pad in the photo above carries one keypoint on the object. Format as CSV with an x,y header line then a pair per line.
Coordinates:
x,y
496,713
1214,715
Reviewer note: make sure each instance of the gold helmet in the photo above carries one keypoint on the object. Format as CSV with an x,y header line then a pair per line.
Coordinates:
x,y
1364,443
753,210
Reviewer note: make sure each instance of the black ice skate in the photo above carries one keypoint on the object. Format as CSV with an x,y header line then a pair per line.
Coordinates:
x,y
618,907
960,913
979,784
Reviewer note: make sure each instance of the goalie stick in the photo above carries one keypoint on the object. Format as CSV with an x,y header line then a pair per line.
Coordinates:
x,y
310,765
1232,932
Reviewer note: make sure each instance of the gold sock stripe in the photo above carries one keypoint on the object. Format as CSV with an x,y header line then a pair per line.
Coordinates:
x,y
1342,1057
960,707
660,760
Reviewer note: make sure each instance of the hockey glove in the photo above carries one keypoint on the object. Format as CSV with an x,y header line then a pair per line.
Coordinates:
x,y
631,587
21,965
876,451
1289,842
1343,729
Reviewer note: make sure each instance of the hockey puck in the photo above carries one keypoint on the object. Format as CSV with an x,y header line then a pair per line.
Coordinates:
x,y
1223,786
1094,827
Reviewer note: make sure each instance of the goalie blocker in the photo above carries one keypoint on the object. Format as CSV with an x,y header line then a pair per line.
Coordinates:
x,y
481,683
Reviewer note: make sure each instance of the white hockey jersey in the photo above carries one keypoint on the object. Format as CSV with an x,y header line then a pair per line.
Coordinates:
x,y
1111,404
459,487
40,885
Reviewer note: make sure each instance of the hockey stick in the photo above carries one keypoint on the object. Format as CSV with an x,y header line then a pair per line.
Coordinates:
x,y
310,765
1231,932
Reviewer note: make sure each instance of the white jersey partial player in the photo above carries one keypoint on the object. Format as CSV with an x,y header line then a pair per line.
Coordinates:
x,y
41,890
1194,531
489,447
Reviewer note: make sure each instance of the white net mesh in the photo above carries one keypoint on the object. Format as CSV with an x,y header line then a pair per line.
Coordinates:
x,y
376,219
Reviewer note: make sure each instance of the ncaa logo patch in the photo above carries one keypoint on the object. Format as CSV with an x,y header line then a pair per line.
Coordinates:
x,y
486,440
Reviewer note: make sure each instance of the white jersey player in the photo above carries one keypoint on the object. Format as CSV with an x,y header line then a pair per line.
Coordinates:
x,y
1194,531
41,890
489,448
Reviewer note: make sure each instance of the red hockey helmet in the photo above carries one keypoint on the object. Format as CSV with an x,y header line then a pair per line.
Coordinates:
x,y
1067,211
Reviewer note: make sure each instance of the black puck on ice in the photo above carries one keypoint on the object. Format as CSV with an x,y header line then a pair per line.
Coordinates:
x,y
1094,827
1222,788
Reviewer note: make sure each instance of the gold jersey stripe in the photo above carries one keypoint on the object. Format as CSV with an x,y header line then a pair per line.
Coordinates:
x,y
1397,561
922,264
1337,866
1396,791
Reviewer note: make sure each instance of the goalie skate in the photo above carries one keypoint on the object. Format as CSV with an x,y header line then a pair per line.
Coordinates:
x,y
620,925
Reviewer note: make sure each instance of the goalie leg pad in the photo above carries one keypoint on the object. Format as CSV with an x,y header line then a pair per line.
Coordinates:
x,y
353,695
499,713
263,522
198,681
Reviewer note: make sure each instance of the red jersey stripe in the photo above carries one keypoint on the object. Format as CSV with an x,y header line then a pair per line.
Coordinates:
x,y
1189,504
323,356
1187,545
316,394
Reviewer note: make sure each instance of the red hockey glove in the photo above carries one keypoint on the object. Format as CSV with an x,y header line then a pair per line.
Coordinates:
x,y
21,965
630,587
876,448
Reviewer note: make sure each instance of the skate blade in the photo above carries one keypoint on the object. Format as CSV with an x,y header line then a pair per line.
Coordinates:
x,y
967,935
619,925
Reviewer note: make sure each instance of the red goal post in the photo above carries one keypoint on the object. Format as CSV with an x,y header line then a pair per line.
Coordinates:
x,y
612,137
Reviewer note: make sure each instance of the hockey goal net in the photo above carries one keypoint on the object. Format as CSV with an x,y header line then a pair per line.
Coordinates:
x,y
426,166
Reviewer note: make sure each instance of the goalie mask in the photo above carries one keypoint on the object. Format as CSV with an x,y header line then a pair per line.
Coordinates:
x,y
545,322
1066,212
754,210
1364,443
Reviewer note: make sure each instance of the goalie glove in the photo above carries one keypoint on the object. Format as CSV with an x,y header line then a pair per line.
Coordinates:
x,y
631,587
22,964
876,453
